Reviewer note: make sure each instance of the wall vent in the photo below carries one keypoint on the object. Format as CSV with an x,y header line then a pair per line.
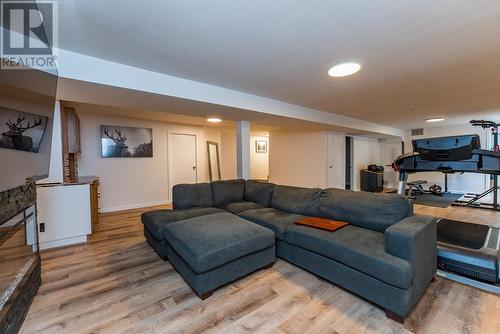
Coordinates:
x,y
417,132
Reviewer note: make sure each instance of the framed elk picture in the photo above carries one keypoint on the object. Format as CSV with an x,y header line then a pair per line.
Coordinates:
x,y
21,130
124,141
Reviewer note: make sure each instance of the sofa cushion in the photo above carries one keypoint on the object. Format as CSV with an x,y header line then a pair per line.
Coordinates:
x,y
191,195
208,242
302,201
226,191
373,211
156,220
358,248
273,219
237,207
258,192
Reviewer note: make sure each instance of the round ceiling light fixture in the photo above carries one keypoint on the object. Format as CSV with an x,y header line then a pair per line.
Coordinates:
x,y
344,69
437,119
214,120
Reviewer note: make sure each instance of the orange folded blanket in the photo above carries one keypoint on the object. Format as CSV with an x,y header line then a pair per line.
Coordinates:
x,y
324,224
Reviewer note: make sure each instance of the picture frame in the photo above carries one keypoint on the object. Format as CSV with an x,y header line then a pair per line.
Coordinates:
x,y
126,142
22,131
261,146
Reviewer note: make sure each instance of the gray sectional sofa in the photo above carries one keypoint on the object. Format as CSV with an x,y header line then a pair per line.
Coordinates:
x,y
386,254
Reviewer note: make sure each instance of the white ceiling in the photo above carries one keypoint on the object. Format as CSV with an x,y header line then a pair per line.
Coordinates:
x,y
441,56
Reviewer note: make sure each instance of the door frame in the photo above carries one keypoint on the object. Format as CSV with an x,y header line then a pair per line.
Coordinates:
x,y
328,155
170,160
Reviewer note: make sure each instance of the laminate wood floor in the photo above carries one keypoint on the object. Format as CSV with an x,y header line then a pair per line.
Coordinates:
x,y
116,283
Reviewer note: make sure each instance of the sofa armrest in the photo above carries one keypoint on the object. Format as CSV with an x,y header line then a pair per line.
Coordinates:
x,y
414,239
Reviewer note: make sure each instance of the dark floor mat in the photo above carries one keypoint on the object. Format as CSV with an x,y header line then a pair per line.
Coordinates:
x,y
443,201
461,234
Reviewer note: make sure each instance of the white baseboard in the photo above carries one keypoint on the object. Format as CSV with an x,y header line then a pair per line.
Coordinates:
x,y
132,206
62,242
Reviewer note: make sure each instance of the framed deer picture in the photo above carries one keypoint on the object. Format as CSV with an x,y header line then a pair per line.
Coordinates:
x,y
21,130
126,142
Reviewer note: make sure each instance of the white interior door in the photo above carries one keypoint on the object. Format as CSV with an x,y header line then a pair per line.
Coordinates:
x,y
182,158
336,160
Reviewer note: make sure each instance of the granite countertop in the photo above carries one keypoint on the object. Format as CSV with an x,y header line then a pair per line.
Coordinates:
x,y
86,179
12,285
89,179
36,178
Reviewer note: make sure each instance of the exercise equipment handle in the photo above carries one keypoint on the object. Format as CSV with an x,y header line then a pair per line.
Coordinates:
x,y
484,124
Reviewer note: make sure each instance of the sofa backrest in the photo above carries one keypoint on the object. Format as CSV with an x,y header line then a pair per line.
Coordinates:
x,y
303,201
372,211
191,195
258,192
226,191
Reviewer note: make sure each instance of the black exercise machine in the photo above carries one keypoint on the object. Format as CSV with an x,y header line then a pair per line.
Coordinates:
x,y
474,198
468,253
417,188
454,154
470,250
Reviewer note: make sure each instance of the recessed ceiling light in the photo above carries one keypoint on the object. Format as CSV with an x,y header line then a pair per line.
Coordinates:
x,y
344,69
438,119
214,120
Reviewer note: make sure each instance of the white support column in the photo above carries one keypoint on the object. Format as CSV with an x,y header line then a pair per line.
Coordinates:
x,y
243,149
56,166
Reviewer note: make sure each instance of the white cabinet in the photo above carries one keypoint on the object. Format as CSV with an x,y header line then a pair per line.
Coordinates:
x,y
64,214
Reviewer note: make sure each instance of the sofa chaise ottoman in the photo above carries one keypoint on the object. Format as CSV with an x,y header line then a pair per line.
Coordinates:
x,y
155,222
189,201
215,249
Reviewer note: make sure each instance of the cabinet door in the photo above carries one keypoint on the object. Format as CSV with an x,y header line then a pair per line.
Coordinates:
x,y
65,211
73,123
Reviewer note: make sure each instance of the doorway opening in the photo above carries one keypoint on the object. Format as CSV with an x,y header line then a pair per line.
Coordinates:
x,y
349,150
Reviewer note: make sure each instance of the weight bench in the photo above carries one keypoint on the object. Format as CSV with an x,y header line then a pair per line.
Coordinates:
x,y
415,187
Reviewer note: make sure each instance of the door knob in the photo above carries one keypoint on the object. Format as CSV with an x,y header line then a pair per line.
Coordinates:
x,y
194,167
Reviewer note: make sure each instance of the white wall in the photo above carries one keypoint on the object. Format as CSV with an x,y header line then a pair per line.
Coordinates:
x,y
366,151
136,182
259,162
468,182
298,158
